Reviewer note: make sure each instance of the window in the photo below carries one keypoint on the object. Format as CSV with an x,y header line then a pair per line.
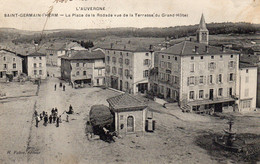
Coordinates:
x,y
231,56
4,58
162,56
145,73
127,61
192,80
40,72
108,52
121,117
77,64
221,56
231,77
169,65
201,94
51,54
34,65
40,58
114,70
220,78
201,57
230,91
191,95
246,92
108,69
99,72
126,72
212,57
114,59
146,61
5,66
176,58
231,64
40,64
220,91
84,73
147,54
127,54
201,79
210,79
120,71
126,85
34,58
121,53
192,57
246,104
212,65
108,58
246,70
14,65
247,79
169,57
77,73
192,67
35,72
120,60
13,59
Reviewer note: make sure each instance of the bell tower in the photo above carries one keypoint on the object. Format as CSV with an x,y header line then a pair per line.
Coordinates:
x,y
202,32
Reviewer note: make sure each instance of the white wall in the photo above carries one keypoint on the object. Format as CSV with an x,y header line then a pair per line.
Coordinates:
x,y
31,68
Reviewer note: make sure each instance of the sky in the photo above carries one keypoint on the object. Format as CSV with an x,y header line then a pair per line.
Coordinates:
x,y
213,10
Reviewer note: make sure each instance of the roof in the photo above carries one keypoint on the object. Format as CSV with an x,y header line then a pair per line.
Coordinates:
x,y
85,55
57,46
125,102
253,59
36,54
128,47
246,65
256,48
202,25
188,48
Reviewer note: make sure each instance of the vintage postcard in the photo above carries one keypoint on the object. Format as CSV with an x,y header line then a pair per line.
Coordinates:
x,y
141,81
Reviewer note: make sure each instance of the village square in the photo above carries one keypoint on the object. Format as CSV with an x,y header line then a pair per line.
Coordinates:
x,y
130,100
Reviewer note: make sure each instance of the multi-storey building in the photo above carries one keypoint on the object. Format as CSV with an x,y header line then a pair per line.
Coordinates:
x,y
35,65
128,66
54,53
84,67
10,65
197,75
247,87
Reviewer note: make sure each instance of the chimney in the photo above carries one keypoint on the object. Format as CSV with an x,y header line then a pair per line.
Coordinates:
x,y
196,49
223,48
207,49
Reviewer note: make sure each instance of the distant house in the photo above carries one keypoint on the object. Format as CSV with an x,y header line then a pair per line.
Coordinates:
x,y
129,114
10,65
35,65
247,87
255,50
53,53
84,67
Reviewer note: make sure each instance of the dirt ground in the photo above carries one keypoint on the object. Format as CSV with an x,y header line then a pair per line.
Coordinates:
x,y
174,140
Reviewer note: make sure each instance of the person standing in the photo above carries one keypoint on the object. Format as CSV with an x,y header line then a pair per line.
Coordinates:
x,y
63,87
60,118
45,120
50,119
55,87
37,119
57,122
67,118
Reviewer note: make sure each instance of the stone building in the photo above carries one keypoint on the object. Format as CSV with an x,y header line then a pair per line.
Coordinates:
x,y
10,65
247,88
128,66
196,75
84,67
35,65
53,54
129,114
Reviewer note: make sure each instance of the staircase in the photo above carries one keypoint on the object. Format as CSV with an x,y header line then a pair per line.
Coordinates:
x,y
186,108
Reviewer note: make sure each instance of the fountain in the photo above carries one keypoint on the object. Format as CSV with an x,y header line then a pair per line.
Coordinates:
x,y
228,140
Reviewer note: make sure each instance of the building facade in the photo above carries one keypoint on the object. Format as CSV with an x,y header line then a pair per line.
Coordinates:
x,y
84,67
128,67
36,65
196,75
10,65
247,88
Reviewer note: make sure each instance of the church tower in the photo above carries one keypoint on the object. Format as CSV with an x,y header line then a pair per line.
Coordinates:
x,y
202,32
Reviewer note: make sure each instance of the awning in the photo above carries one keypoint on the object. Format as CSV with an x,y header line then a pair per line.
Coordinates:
x,y
214,101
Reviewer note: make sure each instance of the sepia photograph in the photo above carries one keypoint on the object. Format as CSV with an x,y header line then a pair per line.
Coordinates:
x,y
129,82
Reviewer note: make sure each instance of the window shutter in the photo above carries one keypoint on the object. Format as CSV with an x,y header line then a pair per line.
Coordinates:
x,y
188,81
217,79
196,80
234,77
208,79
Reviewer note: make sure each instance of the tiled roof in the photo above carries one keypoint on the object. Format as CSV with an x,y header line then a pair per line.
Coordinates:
x,y
85,55
128,47
36,54
126,102
246,65
188,48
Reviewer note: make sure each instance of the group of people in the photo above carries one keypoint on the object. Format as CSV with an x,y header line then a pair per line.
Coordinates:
x,y
52,118
61,86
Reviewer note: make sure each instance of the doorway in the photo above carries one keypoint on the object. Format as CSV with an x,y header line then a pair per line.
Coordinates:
x,y
218,107
211,92
130,124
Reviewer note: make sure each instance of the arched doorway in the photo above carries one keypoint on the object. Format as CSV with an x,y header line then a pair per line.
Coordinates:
x,y
130,124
